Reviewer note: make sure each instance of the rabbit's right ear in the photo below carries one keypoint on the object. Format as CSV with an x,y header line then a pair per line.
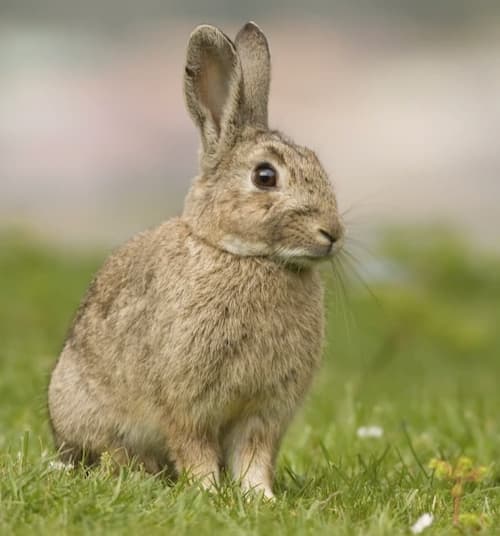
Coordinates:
x,y
253,50
213,87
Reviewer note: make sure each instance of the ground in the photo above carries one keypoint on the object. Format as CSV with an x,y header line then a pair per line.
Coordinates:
x,y
417,355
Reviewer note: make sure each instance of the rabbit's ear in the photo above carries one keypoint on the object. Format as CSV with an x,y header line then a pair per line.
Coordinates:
x,y
253,50
213,87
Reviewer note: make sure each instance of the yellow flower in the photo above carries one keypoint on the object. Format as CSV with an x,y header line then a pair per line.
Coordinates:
x,y
463,467
442,469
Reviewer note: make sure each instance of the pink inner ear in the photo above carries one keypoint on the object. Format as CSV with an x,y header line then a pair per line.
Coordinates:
x,y
214,83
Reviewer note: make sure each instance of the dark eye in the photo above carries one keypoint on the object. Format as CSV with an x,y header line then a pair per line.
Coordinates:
x,y
265,176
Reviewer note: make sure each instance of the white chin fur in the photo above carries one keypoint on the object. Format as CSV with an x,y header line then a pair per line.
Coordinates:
x,y
299,257
235,245
295,256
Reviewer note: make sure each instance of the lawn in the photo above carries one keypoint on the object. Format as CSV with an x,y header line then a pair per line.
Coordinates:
x,y
417,356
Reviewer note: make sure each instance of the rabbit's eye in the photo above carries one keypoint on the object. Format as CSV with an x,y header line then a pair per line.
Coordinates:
x,y
265,176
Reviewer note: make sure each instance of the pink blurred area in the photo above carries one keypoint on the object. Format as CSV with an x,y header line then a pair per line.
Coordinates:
x,y
95,142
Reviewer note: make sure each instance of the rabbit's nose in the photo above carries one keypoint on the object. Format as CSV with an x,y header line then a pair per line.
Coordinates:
x,y
332,232
331,238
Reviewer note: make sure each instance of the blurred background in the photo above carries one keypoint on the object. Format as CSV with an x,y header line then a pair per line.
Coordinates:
x,y
401,100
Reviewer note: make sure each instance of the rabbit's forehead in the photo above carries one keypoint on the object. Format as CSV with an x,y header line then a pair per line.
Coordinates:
x,y
304,171
299,161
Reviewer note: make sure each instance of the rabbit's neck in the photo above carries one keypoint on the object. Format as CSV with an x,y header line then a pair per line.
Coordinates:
x,y
242,252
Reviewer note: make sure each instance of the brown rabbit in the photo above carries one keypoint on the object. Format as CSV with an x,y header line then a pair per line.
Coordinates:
x,y
197,340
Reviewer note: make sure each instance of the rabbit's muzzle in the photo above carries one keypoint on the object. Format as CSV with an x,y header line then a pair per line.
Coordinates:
x,y
332,235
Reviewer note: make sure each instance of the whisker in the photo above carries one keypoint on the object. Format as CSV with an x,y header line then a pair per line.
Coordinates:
x,y
368,201
354,260
336,286
345,278
343,296
351,242
351,260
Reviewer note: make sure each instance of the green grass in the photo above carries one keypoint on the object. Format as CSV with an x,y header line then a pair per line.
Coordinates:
x,y
422,361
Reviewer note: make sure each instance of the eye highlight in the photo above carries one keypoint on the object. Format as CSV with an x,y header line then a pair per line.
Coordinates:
x,y
264,176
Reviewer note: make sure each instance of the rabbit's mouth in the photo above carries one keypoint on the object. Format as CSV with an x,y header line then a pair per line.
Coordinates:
x,y
312,250
309,256
322,246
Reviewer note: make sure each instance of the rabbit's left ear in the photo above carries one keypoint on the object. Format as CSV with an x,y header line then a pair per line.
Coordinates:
x,y
253,50
213,87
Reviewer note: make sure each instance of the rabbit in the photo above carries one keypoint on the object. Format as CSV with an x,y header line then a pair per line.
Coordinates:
x,y
198,339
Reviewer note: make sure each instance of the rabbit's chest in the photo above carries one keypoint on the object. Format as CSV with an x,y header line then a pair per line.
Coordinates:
x,y
271,358
247,345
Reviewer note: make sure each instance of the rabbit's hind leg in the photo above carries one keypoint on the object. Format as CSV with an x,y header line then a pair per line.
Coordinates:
x,y
125,456
72,454
115,457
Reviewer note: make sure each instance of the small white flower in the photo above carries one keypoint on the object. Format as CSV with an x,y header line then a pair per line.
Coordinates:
x,y
370,431
424,521
60,466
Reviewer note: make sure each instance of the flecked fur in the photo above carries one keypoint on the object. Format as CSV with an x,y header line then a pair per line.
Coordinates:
x,y
198,339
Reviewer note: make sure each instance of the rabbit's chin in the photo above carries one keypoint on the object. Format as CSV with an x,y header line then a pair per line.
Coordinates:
x,y
292,256
301,258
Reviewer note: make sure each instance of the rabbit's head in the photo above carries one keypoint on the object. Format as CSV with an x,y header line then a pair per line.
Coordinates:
x,y
258,193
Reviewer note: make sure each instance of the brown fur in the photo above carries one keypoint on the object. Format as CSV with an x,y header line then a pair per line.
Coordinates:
x,y
198,339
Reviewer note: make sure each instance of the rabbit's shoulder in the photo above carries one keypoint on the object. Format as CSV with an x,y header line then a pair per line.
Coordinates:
x,y
126,278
